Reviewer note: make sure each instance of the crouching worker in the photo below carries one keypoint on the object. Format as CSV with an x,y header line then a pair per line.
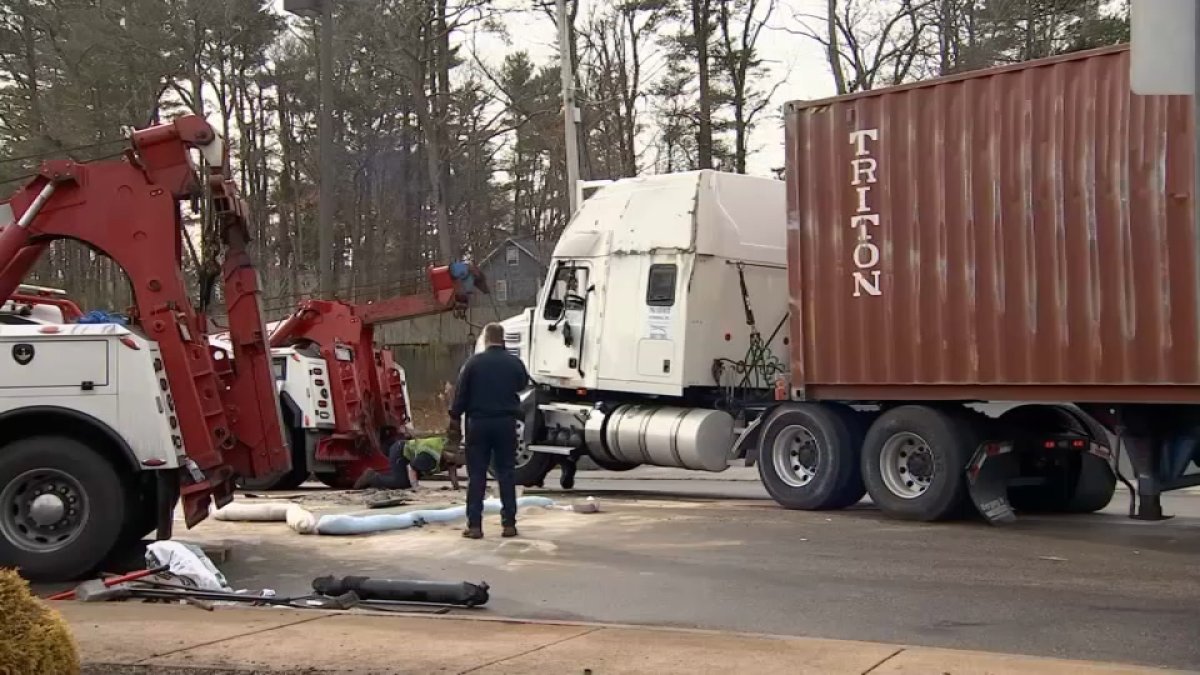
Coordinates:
x,y
410,460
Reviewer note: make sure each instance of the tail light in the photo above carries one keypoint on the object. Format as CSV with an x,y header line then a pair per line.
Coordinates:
x,y
131,343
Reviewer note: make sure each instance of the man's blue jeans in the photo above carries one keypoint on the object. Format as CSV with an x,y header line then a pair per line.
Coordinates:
x,y
491,441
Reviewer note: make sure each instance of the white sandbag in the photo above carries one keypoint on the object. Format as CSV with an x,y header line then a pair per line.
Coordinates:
x,y
261,512
380,522
186,561
301,520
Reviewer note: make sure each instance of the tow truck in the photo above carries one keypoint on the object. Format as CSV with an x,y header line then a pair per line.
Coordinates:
x,y
38,304
343,397
105,428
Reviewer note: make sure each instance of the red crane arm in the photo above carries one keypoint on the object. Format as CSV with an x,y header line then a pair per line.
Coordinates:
x,y
128,209
450,293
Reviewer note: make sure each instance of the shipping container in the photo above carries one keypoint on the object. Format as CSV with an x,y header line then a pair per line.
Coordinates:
x,y
1022,233
990,287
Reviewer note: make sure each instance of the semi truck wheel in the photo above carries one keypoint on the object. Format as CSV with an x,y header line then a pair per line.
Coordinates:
x,y
62,508
531,467
807,459
913,461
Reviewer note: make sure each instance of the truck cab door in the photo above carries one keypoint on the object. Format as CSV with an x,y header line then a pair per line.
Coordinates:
x,y
559,323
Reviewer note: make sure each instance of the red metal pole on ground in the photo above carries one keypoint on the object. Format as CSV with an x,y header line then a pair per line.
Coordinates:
x,y
113,581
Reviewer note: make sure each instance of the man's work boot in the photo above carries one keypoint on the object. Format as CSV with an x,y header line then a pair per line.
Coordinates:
x,y
366,479
509,531
473,533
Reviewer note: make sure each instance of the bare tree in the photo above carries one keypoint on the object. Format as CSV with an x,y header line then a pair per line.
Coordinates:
x,y
868,45
740,24
614,44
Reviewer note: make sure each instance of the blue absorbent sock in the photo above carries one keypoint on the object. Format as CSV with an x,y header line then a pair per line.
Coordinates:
x,y
383,522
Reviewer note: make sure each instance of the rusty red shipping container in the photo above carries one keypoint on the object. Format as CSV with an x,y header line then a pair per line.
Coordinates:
x,y
1022,233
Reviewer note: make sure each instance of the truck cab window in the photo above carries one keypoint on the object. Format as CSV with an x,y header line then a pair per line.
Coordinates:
x,y
660,291
279,366
567,292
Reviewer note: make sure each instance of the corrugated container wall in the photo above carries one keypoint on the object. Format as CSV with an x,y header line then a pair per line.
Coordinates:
x,y
1023,233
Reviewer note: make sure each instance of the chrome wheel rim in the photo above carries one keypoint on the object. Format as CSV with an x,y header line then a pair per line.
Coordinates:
x,y
906,465
796,456
524,454
43,510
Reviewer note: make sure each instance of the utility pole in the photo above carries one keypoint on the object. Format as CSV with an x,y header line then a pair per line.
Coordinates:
x,y
325,225
570,114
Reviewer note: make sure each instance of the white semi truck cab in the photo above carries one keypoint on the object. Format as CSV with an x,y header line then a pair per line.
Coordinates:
x,y
659,325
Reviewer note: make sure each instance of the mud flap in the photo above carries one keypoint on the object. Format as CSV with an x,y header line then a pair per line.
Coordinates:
x,y
166,496
988,473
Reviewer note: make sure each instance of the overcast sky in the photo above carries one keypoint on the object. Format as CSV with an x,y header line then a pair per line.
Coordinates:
x,y
796,61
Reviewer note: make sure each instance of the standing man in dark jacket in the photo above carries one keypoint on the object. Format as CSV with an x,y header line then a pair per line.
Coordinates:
x,y
488,395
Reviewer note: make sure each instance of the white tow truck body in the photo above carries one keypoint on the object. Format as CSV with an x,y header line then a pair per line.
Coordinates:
x,y
105,374
300,377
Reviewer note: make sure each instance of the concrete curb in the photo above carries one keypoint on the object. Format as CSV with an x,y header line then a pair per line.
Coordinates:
x,y
186,641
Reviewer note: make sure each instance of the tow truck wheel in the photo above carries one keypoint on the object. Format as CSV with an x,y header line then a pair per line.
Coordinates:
x,y
289,480
334,480
807,459
61,508
913,461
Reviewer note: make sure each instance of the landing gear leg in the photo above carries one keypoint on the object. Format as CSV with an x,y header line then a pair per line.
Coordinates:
x,y
1145,454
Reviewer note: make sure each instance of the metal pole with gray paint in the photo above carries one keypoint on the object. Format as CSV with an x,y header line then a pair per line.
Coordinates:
x,y
570,115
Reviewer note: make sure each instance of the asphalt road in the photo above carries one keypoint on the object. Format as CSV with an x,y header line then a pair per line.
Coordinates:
x,y
716,554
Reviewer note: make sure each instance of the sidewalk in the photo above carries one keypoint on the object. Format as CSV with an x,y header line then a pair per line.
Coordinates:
x,y
140,638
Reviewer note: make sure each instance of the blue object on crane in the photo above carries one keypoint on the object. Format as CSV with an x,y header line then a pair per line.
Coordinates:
x,y
97,316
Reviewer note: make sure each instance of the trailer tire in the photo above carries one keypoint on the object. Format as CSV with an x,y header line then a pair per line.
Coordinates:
x,y
85,506
913,461
807,459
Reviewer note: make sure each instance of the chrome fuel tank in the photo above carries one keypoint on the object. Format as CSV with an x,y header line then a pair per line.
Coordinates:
x,y
687,438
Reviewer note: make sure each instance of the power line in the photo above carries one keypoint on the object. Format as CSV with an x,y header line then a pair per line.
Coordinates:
x,y
61,151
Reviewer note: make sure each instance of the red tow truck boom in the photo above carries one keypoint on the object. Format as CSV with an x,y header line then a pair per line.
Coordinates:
x,y
365,386
128,209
